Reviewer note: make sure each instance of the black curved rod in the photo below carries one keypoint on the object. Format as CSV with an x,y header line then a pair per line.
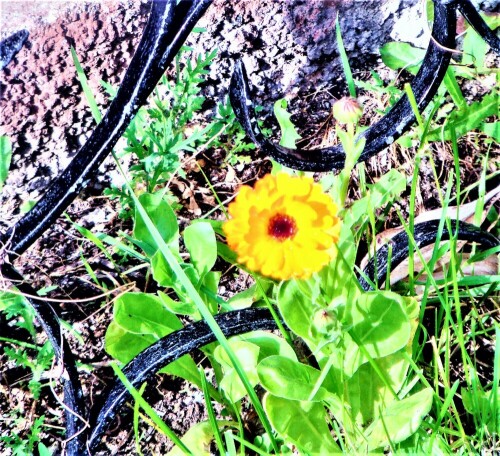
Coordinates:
x,y
168,26
171,348
468,11
379,135
73,396
424,234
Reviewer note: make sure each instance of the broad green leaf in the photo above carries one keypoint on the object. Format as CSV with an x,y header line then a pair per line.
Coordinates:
x,y
289,134
248,355
163,218
43,450
209,288
185,368
400,420
492,129
269,344
140,319
166,277
200,242
290,379
302,423
5,158
367,394
244,299
474,49
198,438
226,253
380,323
143,313
467,119
123,345
296,308
180,307
402,55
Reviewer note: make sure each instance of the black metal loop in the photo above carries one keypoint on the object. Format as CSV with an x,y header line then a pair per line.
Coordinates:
x,y
392,125
171,348
168,26
425,233
73,396
476,21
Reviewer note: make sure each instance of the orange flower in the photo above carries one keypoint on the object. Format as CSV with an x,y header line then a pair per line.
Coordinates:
x,y
285,227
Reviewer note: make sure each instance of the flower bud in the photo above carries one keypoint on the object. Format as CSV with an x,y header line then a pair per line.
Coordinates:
x,y
347,110
325,321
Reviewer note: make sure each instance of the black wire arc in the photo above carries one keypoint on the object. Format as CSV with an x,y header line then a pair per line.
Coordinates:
x,y
392,125
170,348
72,388
425,233
471,15
168,26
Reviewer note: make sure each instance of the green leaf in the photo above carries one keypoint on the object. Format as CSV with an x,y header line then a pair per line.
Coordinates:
x,y
474,49
184,368
143,313
402,55
243,299
296,307
89,95
492,129
248,355
43,450
385,190
367,394
199,437
209,288
289,134
269,344
140,319
302,423
200,242
289,379
380,324
5,158
467,119
123,345
162,216
400,420
181,307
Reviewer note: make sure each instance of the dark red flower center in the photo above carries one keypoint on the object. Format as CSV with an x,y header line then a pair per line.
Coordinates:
x,y
282,227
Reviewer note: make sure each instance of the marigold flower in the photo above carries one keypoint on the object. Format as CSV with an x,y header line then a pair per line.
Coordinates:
x,y
285,227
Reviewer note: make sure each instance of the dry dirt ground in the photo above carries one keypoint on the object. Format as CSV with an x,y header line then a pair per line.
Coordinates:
x,y
44,113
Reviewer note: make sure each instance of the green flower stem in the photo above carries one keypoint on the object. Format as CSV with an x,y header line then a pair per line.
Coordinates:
x,y
352,151
277,319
